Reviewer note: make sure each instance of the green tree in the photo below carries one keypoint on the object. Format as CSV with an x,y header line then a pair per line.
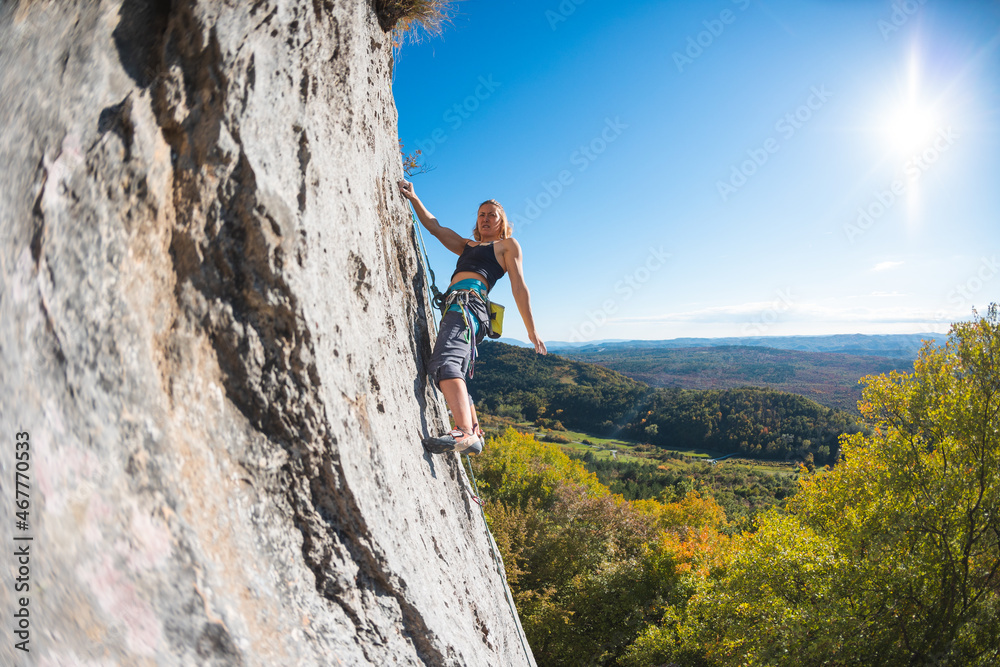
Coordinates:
x,y
892,557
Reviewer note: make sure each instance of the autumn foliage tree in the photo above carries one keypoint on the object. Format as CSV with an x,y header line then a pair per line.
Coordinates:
x,y
890,558
589,570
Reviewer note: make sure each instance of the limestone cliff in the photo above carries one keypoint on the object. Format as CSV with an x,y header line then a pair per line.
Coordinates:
x,y
212,328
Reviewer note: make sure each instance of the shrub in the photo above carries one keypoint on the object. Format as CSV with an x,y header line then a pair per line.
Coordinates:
x,y
553,424
403,16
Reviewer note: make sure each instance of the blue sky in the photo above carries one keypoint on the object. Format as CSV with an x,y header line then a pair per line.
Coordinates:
x,y
724,168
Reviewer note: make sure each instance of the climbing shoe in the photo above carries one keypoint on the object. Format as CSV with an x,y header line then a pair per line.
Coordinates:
x,y
455,441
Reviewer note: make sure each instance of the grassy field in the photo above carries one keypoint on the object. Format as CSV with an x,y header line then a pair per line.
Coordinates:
x,y
622,453
743,487
601,448
629,451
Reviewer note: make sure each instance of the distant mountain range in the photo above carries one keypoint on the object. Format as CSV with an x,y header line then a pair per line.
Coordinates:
x,y
828,378
898,346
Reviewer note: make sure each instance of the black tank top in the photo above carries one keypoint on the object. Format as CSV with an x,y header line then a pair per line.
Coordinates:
x,y
482,260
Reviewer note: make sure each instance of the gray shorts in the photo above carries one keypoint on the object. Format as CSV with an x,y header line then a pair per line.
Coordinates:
x,y
452,354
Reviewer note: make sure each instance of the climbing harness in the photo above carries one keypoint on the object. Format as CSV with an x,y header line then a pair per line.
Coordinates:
x,y
461,297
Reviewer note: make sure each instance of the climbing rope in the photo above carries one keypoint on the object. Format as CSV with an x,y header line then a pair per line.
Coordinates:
x,y
495,551
434,295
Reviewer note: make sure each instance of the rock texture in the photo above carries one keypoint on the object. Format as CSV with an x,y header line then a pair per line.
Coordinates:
x,y
212,327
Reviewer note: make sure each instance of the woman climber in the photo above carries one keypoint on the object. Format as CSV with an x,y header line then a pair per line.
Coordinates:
x,y
481,263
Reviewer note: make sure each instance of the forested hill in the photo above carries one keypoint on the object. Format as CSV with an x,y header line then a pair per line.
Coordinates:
x,y
827,378
516,382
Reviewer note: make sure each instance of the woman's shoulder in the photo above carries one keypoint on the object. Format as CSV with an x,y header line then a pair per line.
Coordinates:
x,y
508,249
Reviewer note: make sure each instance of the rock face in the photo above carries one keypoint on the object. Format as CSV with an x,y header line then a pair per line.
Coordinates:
x,y
213,334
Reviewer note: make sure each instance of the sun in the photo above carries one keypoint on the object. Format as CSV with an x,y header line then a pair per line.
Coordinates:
x,y
911,120
909,128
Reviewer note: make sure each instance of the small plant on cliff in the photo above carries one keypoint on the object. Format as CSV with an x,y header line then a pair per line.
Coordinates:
x,y
412,162
403,17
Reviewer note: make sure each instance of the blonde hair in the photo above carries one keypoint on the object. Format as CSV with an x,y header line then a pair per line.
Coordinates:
x,y
505,232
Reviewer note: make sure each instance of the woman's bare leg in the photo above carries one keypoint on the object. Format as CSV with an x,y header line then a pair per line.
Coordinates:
x,y
475,417
457,397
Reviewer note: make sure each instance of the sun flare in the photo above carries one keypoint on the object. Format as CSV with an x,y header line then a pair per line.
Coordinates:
x,y
910,121
910,128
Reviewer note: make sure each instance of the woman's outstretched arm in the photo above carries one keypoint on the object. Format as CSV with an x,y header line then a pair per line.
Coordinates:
x,y
449,237
521,296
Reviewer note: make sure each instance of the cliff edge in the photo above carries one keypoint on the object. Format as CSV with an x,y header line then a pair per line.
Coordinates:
x,y
212,340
